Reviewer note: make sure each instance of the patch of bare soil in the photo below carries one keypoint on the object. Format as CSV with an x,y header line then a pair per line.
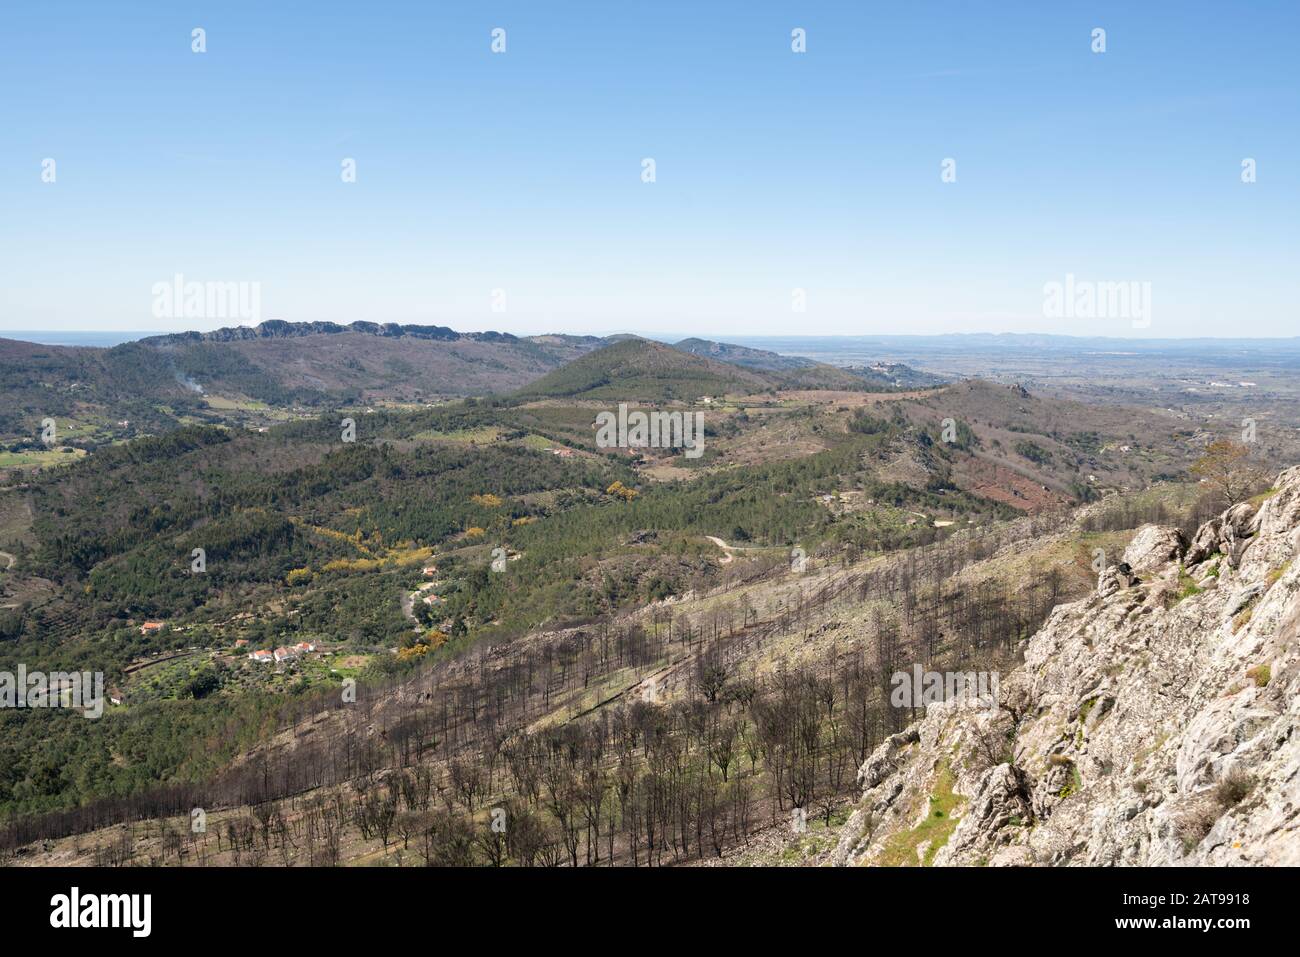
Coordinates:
x,y
989,480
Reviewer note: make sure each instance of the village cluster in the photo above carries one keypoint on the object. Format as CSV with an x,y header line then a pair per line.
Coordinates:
x,y
265,656
283,653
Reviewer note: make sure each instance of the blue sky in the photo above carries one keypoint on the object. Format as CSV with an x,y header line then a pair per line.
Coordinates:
x,y
774,170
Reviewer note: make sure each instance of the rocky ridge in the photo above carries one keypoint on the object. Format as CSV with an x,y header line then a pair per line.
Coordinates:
x,y
1155,722
280,329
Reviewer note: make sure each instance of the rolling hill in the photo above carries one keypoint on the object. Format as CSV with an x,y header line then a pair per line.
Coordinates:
x,y
253,376
372,364
639,370
634,369
164,382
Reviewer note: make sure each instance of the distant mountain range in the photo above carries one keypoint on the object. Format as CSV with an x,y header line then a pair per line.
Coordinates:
x,y
159,382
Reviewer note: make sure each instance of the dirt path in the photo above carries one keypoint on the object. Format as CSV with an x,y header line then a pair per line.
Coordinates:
x,y
408,608
726,549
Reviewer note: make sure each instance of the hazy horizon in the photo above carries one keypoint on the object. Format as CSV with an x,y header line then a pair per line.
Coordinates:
x,y
108,338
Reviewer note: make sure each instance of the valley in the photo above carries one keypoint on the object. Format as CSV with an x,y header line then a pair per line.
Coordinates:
x,y
472,607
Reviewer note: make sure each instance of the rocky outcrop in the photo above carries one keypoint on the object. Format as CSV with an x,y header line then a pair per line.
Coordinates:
x,y
1226,535
1114,578
1155,722
1152,548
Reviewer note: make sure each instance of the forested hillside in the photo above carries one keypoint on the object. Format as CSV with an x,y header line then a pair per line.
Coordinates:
x,y
675,733
103,395
394,539
650,657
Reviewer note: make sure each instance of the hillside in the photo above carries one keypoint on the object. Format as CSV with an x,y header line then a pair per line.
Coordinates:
x,y
896,375
238,375
709,680
369,361
798,372
1018,444
633,369
743,355
370,367
256,376
88,390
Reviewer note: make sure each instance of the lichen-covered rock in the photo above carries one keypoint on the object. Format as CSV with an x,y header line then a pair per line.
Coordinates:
x,y
882,761
1205,542
1113,578
1148,725
1153,548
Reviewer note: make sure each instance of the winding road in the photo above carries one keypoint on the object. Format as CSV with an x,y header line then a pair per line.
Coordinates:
x,y
726,549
